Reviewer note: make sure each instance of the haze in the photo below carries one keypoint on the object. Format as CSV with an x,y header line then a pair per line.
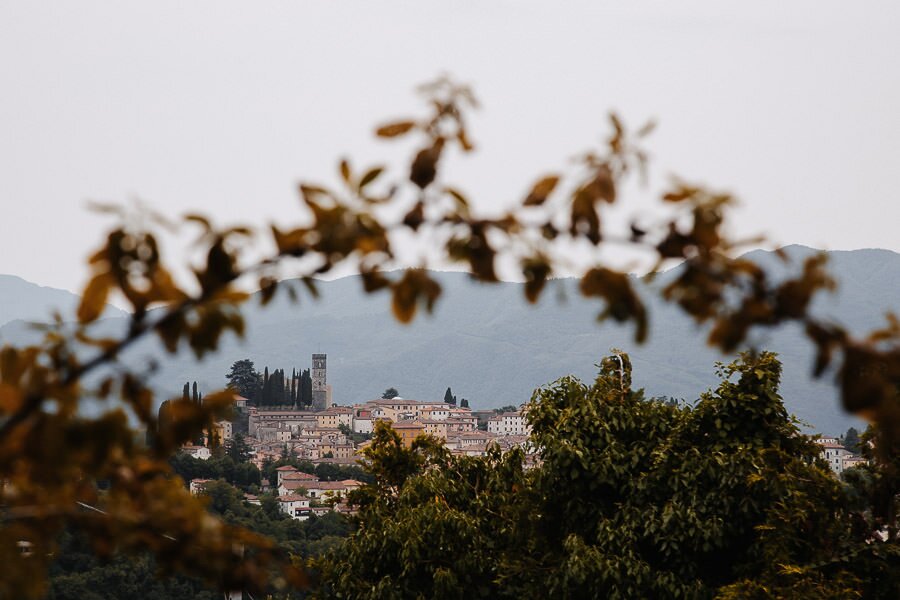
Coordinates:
x,y
222,106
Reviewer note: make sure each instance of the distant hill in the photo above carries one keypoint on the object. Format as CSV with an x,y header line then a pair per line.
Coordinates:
x,y
493,348
26,301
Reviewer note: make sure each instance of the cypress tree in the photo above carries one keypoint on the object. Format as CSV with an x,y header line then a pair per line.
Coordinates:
x,y
196,395
448,397
186,391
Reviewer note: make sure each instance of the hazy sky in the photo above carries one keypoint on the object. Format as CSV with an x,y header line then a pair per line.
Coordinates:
x,y
223,106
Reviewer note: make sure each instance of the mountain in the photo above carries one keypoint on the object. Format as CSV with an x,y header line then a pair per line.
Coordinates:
x,y
29,302
493,348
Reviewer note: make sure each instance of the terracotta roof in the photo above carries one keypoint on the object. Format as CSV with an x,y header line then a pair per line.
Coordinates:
x,y
286,468
299,476
292,498
293,484
332,485
407,425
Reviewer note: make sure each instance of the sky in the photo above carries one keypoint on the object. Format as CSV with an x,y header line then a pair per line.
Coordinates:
x,y
222,107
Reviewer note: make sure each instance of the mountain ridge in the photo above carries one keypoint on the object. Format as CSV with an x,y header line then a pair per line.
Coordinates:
x,y
493,348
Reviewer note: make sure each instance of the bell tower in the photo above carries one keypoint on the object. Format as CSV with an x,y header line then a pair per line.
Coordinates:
x,y
319,389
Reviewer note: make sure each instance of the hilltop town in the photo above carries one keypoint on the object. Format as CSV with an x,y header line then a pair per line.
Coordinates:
x,y
307,427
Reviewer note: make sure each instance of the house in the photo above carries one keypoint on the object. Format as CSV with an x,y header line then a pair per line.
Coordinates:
x,y
334,417
282,471
834,454
362,420
853,461
508,423
300,476
290,487
436,427
251,499
408,431
332,489
196,486
223,431
200,452
297,507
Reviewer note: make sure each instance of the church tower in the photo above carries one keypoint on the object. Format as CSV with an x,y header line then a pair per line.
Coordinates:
x,y
319,386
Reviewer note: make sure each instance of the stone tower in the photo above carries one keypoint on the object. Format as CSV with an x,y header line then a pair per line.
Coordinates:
x,y
319,389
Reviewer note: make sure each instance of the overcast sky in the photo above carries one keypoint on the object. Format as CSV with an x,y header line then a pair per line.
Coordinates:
x,y
223,106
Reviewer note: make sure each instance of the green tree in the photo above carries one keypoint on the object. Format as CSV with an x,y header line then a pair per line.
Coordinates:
x,y
464,403
237,448
390,393
851,440
243,379
448,397
631,499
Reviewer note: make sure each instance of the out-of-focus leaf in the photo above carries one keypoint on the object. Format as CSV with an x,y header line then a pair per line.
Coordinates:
x,y
541,190
395,129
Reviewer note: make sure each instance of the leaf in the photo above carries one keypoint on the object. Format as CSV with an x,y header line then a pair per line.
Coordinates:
x,y
10,398
200,219
395,129
370,176
541,190
93,299
463,140
424,167
345,170
415,217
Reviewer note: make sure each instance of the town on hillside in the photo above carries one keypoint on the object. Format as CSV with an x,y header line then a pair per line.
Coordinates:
x,y
293,419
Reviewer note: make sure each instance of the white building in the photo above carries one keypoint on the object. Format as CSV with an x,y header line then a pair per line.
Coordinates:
x,y
201,452
834,454
509,423
297,507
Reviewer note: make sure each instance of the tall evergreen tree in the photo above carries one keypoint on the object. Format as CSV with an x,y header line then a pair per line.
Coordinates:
x,y
851,440
244,379
448,396
186,391
265,396
464,403
196,395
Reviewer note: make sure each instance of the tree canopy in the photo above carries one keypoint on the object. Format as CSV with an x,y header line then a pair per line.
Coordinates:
x,y
629,499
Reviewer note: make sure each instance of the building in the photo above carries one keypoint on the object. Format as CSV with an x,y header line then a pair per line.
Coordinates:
x,y
223,430
319,382
200,452
196,486
408,431
297,507
282,471
334,417
834,454
362,420
332,489
508,423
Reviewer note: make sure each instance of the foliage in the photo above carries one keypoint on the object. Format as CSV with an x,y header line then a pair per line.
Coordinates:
x,y
244,379
52,456
631,499
324,471
851,440
239,474
390,393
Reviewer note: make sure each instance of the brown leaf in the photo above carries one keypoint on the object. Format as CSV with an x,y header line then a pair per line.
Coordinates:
x,y
415,217
93,299
395,129
370,176
424,166
541,190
